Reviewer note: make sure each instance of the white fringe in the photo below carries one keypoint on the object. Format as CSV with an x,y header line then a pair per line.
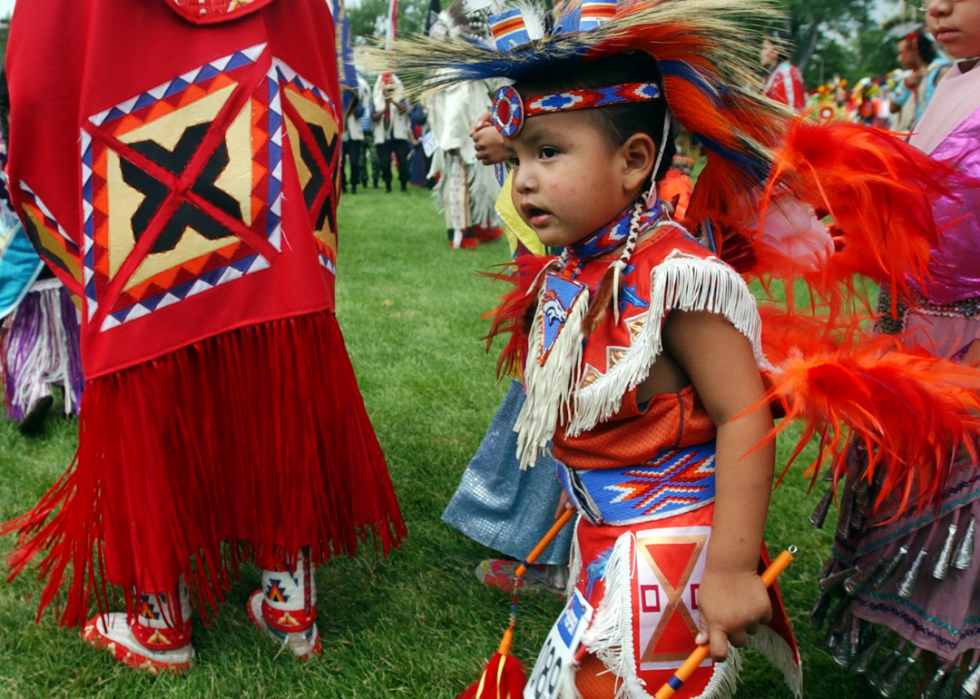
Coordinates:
x,y
549,387
681,282
47,362
610,637
482,190
774,649
724,678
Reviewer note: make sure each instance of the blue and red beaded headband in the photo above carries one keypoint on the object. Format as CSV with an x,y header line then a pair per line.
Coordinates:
x,y
510,111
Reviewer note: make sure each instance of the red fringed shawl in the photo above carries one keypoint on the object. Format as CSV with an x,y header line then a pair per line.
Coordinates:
x,y
180,178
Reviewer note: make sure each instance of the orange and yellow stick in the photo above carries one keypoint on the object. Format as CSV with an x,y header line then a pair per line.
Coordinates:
x,y
503,677
701,652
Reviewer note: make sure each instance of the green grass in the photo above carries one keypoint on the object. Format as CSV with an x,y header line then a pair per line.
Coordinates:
x,y
417,624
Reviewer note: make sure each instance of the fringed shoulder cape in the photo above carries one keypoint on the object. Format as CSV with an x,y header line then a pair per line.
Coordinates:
x,y
177,169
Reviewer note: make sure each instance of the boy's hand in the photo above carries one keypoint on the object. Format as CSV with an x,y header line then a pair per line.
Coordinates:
x,y
564,503
731,606
488,141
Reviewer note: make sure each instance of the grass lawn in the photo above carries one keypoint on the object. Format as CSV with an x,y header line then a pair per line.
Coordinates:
x,y
417,624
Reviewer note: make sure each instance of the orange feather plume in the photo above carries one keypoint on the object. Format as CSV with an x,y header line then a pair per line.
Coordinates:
x,y
911,411
878,191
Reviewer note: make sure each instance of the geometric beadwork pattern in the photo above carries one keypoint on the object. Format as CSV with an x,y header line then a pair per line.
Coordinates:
x,y
182,186
137,160
669,567
675,481
49,239
313,127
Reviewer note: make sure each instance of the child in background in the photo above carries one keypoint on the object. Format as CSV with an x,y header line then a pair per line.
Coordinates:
x,y
496,503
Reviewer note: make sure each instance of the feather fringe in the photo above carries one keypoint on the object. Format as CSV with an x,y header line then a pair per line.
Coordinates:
x,y
715,36
513,317
550,385
684,283
879,191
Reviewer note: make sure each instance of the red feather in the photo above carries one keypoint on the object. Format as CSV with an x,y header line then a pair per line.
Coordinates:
x,y
878,190
508,318
503,678
913,412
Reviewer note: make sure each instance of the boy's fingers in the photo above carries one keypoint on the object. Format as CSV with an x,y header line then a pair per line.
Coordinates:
x,y
767,618
718,644
738,638
752,629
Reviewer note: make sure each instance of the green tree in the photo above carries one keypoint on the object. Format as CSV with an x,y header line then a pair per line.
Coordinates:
x,y
814,24
368,17
841,37
4,33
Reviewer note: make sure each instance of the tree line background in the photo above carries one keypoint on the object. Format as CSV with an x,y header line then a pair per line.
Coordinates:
x,y
830,36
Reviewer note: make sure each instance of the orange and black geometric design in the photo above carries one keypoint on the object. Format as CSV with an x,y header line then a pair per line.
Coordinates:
x,y
182,185
50,240
313,128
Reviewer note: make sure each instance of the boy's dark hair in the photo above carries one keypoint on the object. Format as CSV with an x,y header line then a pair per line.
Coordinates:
x,y
620,121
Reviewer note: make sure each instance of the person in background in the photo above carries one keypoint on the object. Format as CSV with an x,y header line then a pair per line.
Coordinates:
x,y
354,138
391,128
917,53
785,82
923,586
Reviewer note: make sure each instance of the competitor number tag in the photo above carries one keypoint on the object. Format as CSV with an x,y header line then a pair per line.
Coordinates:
x,y
559,649
429,144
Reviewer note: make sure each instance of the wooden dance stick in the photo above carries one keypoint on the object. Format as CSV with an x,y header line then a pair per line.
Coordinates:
x,y
543,544
701,652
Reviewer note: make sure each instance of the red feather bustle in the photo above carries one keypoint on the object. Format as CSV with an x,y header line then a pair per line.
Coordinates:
x,y
845,204
878,191
912,412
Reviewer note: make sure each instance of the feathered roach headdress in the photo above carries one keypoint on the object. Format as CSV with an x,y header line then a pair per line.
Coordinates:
x,y
706,51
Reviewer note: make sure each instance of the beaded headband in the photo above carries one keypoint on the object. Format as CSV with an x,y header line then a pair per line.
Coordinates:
x,y
510,110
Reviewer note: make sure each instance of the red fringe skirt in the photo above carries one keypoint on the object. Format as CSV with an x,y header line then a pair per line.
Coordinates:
x,y
257,437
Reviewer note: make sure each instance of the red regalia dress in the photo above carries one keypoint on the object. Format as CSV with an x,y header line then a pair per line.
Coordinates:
x,y
176,167
641,476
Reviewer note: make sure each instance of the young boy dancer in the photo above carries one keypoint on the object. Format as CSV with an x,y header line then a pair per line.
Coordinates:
x,y
188,199
641,350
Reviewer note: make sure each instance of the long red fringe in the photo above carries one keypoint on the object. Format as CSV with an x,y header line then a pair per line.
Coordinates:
x,y
256,437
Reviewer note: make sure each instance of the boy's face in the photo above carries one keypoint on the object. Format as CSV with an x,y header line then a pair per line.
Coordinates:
x,y
568,178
